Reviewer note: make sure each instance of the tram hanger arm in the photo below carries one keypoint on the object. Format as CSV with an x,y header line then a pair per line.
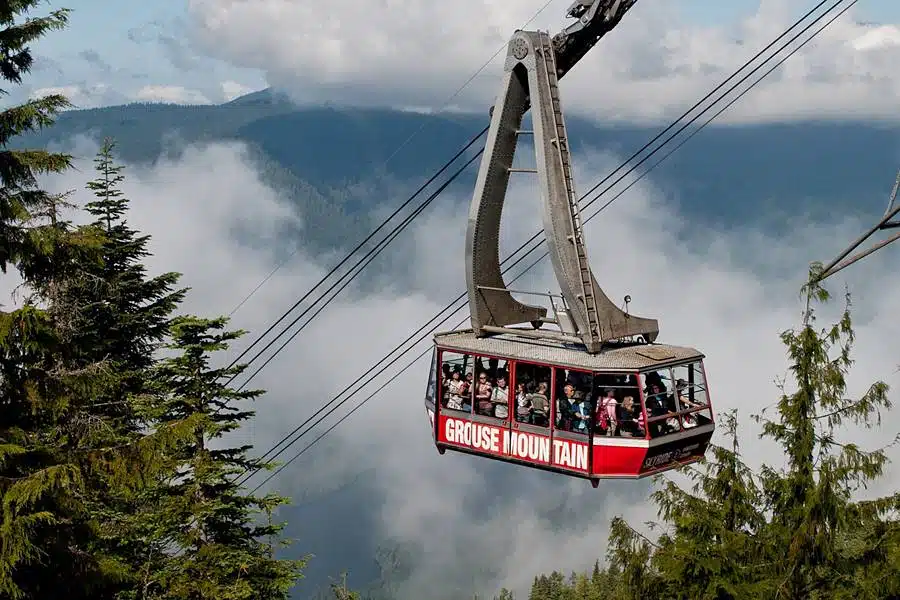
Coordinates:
x,y
596,18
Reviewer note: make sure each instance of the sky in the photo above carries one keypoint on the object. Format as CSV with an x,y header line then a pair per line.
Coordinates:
x,y
743,281
210,51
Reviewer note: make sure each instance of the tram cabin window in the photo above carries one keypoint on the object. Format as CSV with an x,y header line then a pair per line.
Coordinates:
x,y
617,405
456,381
574,404
676,399
532,394
431,390
691,395
491,389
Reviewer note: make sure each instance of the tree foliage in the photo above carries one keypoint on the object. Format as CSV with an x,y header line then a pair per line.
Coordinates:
x,y
798,530
104,445
223,542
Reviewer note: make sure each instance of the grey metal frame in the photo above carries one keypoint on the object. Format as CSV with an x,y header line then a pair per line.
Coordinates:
x,y
534,64
890,220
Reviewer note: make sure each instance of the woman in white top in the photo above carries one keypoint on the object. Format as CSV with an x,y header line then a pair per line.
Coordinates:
x,y
455,391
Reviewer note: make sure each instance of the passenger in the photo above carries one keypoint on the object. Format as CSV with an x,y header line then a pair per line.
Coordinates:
x,y
581,414
685,403
630,419
539,402
445,382
565,408
466,394
500,398
523,407
654,378
657,402
607,407
483,392
456,391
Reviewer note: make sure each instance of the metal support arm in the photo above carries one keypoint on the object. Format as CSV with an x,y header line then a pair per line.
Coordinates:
x,y
890,220
531,77
596,18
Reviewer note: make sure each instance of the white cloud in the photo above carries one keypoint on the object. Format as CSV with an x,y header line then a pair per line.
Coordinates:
x,y
734,292
652,67
82,95
170,94
233,89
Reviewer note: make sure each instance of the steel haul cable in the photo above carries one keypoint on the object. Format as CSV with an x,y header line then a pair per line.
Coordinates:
x,y
334,269
791,53
388,238
604,180
372,234
534,237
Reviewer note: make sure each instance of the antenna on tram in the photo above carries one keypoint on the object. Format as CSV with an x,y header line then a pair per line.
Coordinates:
x,y
534,64
890,220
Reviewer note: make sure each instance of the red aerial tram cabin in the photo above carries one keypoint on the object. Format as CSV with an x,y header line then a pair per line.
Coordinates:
x,y
597,398
647,407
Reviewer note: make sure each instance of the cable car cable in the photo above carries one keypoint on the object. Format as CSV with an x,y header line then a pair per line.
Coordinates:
x,y
594,188
348,257
371,255
403,144
597,212
391,216
741,94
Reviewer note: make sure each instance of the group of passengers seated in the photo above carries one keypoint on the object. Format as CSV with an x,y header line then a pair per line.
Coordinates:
x,y
533,402
617,413
616,410
489,390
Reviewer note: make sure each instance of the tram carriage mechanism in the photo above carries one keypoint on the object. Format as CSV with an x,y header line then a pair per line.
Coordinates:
x,y
592,395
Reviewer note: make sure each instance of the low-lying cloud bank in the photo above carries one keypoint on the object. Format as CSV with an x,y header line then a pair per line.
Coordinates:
x,y
729,293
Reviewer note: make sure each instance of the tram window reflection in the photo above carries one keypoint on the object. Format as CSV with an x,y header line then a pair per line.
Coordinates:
x,y
676,399
691,391
532,393
456,381
574,405
431,390
491,388
611,417
659,400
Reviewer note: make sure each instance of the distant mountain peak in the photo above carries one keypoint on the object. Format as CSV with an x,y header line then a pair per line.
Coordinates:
x,y
264,97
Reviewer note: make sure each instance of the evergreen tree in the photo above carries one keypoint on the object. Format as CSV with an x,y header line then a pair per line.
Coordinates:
x,y
128,311
20,196
124,315
121,318
789,532
50,446
342,592
222,549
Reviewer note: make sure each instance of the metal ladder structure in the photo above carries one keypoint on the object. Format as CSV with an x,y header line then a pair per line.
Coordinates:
x,y
561,142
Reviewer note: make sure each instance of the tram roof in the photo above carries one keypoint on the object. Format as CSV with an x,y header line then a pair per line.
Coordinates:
x,y
628,358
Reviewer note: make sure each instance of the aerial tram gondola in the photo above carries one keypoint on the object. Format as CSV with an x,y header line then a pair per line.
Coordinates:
x,y
595,396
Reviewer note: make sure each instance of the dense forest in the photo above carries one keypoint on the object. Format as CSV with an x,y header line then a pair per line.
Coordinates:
x,y
116,482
